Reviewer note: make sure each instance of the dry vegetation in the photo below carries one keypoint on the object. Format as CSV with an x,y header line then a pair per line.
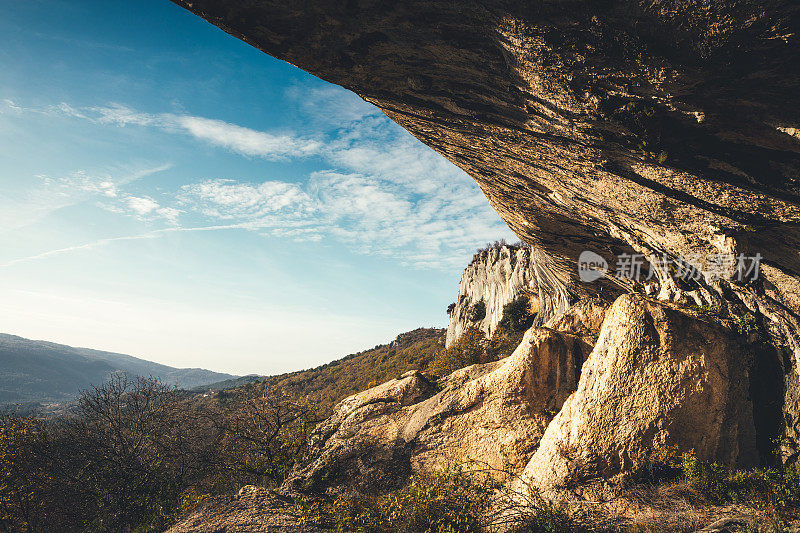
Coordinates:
x,y
690,496
136,455
133,455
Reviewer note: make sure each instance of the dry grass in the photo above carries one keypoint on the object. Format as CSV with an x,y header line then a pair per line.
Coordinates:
x,y
476,497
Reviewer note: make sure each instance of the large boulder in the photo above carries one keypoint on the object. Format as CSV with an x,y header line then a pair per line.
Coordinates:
x,y
492,414
659,381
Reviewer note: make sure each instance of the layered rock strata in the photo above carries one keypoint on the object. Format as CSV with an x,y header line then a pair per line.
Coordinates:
x,y
496,277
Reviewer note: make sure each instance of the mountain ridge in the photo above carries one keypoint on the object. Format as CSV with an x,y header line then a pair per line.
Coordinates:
x,y
44,371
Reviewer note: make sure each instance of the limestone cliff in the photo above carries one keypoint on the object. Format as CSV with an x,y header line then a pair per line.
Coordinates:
x,y
628,382
495,277
662,127
493,413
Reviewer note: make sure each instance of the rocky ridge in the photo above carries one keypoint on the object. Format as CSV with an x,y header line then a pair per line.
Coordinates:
x,y
598,393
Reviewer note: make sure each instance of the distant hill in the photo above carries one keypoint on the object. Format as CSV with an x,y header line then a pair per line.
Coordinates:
x,y
327,384
40,371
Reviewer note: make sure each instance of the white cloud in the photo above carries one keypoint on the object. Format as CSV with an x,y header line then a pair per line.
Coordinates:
x,y
331,105
170,214
85,246
122,116
246,141
228,199
386,193
52,193
141,205
367,213
9,105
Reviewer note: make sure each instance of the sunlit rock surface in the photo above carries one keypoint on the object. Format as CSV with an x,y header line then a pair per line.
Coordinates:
x,y
497,276
659,382
493,414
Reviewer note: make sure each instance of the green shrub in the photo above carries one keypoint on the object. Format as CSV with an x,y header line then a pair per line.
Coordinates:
x,y
746,325
503,342
546,518
707,309
517,314
449,501
477,312
469,349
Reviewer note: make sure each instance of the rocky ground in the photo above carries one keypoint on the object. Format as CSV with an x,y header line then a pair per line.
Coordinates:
x,y
583,407
256,509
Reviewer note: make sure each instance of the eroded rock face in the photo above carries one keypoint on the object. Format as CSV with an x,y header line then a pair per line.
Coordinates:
x,y
496,277
658,380
663,127
494,414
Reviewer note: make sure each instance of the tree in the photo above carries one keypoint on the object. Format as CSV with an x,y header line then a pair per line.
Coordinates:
x,y
262,433
469,349
128,451
23,478
517,315
477,311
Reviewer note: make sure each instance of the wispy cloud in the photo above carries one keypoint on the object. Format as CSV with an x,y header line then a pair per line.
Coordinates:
x,y
367,213
244,141
330,105
385,193
52,193
79,247
138,237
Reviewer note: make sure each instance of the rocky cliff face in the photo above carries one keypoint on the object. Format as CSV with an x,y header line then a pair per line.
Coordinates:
x,y
496,277
628,382
661,127
657,379
494,413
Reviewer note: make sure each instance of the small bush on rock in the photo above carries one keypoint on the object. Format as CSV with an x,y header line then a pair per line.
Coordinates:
x,y
746,325
477,312
469,349
517,315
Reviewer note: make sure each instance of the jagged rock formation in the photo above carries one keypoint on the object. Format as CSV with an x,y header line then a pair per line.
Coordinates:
x,y
497,276
660,379
664,127
493,413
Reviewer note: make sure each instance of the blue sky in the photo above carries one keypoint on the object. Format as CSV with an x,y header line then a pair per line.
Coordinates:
x,y
169,192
